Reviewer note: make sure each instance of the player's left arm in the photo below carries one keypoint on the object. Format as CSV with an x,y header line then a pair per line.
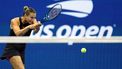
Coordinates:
x,y
38,27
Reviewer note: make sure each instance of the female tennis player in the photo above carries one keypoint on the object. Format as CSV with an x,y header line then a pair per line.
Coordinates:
x,y
20,26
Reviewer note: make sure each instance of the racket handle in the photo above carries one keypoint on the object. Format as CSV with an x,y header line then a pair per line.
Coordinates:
x,y
43,20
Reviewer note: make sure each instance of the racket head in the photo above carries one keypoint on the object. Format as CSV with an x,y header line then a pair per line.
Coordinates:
x,y
54,12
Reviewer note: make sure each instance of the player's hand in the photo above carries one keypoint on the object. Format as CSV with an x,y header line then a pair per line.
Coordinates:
x,y
38,24
34,26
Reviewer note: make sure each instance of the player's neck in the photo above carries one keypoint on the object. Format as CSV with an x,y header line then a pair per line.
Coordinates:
x,y
23,19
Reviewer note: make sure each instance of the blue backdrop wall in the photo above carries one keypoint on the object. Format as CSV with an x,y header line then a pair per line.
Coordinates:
x,y
62,56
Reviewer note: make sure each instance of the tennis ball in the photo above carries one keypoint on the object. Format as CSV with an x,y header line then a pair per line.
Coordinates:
x,y
83,50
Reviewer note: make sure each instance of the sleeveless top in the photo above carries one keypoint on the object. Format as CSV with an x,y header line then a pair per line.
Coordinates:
x,y
16,48
22,25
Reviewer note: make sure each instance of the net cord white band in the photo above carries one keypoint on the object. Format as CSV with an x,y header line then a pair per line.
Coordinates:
x,y
8,39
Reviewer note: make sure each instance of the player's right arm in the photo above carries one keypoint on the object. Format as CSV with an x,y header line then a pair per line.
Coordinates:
x,y
15,26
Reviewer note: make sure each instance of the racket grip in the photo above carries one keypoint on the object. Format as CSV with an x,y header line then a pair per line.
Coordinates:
x,y
43,20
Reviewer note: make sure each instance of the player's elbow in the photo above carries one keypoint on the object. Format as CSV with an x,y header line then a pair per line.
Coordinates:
x,y
18,33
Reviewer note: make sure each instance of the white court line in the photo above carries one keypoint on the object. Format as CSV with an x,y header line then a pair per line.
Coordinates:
x,y
8,39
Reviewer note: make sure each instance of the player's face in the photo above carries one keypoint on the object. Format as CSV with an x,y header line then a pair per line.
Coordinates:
x,y
31,17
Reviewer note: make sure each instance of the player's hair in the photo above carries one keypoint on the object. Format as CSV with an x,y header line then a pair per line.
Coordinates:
x,y
28,10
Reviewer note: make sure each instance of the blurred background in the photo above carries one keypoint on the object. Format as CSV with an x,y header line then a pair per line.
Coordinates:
x,y
61,55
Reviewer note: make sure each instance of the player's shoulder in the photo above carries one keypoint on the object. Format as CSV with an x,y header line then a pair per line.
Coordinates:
x,y
16,19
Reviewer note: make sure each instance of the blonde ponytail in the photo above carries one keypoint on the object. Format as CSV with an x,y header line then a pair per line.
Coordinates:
x,y
28,10
25,8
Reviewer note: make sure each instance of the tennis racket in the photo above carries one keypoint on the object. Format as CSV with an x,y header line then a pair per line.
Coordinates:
x,y
53,13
